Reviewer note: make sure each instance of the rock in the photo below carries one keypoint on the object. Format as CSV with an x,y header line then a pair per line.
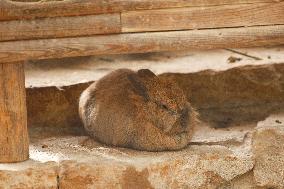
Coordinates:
x,y
84,163
29,175
234,96
46,103
94,174
268,149
245,181
201,167
195,167
204,134
216,159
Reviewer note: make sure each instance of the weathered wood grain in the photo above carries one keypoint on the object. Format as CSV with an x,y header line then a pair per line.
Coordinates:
x,y
14,143
10,10
60,27
145,20
203,17
142,42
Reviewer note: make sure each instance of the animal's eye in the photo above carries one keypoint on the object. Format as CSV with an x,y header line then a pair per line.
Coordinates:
x,y
164,106
170,111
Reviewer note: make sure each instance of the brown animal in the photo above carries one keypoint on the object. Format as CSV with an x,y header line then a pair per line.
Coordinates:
x,y
137,110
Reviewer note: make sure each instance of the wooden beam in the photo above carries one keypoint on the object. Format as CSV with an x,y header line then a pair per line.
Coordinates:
x,y
142,42
145,20
60,27
203,17
11,10
14,143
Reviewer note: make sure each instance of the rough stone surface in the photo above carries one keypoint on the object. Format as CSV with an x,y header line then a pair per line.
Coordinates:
x,y
97,166
224,158
81,162
29,175
204,134
92,165
234,96
54,106
195,167
245,181
268,148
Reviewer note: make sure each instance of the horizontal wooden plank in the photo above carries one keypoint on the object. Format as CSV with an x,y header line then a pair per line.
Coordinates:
x,y
142,42
60,27
203,17
10,10
145,20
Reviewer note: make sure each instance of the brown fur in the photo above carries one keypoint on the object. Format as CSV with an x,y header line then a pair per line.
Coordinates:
x,y
137,110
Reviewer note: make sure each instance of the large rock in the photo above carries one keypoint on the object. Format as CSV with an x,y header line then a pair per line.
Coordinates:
x,y
268,149
195,167
245,181
29,175
217,158
234,96
85,163
204,134
54,106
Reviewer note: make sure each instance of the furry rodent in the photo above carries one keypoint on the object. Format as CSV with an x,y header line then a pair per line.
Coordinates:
x,y
137,110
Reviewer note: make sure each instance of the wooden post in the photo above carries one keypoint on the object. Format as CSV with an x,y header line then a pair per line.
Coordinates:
x,y
14,142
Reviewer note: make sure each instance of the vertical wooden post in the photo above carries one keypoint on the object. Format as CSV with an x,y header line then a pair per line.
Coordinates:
x,y
14,142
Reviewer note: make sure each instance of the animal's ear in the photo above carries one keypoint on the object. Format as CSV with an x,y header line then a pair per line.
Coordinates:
x,y
146,73
138,87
